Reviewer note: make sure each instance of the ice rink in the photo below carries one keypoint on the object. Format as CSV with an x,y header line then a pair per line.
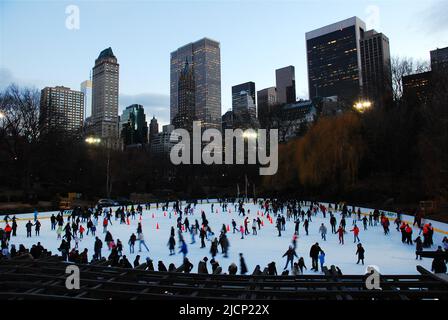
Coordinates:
x,y
386,252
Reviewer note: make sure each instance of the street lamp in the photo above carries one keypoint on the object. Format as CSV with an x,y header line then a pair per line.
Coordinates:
x,y
93,140
362,106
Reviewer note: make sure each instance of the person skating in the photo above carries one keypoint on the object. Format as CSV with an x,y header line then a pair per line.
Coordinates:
x,y
322,260
323,232
28,227
141,242
364,222
183,249
314,254
214,248
340,233
305,225
37,226
243,266
172,245
360,253
418,247
301,264
333,223
355,231
296,226
234,226
289,254
224,242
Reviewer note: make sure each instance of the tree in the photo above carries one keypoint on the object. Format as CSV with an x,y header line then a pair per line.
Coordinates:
x,y
403,66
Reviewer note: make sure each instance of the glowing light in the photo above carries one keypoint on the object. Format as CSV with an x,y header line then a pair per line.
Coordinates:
x,y
2,115
249,134
362,106
92,140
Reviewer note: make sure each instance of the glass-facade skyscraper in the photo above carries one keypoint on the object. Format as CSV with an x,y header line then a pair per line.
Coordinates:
x,y
334,60
243,99
133,125
204,56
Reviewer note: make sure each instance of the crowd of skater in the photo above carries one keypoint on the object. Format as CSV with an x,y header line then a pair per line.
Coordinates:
x,y
342,219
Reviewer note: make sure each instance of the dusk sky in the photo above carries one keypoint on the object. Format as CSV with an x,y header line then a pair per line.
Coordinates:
x,y
37,49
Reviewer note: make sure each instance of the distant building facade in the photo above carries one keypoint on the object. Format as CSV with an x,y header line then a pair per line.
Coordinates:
x,y
267,99
61,109
86,89
204,56
376,68
186,96
285,82
153,129
105,91
243,99
347,61
133,126
162,142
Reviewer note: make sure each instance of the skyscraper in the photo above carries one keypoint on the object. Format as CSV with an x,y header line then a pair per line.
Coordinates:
x,y
243,99
267,98
133,125
105,97
439,60
376,67
286,85
61,109
186,99
153,128
86,88
204,56
334,60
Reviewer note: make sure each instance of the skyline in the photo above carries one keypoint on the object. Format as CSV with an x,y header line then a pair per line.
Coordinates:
x,y
143,41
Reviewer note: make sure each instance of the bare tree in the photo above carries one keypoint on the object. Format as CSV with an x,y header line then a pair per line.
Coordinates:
x,y
403,66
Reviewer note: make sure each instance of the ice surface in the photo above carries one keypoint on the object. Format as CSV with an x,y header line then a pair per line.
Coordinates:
x,y
386,252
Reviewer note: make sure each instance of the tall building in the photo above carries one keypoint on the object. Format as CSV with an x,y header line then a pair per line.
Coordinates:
x,y
205,58
153,128
61,109
105,97
285,82
376,67
163,141
248,87
334,60
186,95
133,125
243,99
86,88
267,99
417,87
439,60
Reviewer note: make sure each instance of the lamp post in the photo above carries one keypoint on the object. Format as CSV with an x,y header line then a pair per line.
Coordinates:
x,y
362,106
